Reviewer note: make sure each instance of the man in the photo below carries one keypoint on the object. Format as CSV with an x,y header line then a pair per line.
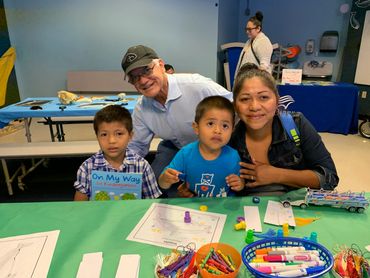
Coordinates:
x,y
167,108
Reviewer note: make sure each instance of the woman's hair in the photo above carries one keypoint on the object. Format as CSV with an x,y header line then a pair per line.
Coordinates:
x,y
212,102
250,70
113,113
257,19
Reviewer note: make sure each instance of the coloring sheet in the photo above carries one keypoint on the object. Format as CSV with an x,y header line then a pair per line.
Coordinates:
x,y
27,255
277,214
163,225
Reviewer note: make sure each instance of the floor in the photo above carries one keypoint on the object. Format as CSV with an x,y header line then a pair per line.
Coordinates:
x,y
53,180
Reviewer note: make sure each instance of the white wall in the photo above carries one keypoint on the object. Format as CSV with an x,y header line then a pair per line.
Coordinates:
x,y
52,37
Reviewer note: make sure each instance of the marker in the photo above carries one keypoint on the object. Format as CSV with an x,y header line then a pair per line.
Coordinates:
x,y
256,265
294,252
264,251
285,258
274,269
300,272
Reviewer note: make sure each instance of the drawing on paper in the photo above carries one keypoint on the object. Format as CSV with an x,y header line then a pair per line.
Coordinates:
x,y
163,225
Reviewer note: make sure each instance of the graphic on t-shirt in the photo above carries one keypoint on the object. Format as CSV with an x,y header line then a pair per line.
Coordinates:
x,y
206,189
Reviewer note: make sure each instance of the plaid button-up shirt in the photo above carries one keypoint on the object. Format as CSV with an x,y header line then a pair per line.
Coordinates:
x,y
132,163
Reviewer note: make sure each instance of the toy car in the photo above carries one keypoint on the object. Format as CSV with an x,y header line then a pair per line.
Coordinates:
x,y
352,201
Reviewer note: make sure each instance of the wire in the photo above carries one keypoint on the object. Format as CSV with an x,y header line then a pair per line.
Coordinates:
x,y
353,21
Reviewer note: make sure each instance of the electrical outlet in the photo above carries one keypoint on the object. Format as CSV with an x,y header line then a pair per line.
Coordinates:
x,y
363,94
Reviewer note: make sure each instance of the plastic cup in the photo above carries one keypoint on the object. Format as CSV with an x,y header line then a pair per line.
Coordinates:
x,y
226,250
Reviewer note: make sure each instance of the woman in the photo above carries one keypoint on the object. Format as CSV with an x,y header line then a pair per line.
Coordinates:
x,y
273,163
258,48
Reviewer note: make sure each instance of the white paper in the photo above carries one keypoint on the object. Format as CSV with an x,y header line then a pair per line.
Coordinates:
x,y
291,76
27,255
277,214
129,266
252,218
90,266
163,225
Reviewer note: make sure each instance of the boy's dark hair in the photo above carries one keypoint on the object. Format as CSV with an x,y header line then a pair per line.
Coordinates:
x,y
211,102
113,113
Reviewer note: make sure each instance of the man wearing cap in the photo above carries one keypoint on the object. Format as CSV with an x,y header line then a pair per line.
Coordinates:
x,y
167,108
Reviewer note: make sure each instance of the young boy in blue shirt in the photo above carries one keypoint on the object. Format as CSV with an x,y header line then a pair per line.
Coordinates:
x,y
113,129
207,167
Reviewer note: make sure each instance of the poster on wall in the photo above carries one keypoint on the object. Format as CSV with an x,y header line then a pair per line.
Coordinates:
x,y
363,66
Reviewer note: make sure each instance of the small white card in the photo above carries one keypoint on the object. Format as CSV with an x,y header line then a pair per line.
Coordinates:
x,y
252,218
291,76
90,266
277,214
129,266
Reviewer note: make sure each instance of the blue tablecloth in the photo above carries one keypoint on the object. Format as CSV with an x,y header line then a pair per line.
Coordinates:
x,y
330,108
53,108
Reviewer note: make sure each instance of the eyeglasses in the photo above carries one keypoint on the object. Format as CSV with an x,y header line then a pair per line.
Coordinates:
x,y
250,29
144,72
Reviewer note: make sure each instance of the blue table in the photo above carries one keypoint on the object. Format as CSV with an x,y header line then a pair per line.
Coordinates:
x,y
330,108
55,109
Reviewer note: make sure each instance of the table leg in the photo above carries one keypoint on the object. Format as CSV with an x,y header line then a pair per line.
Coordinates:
x,y
51,130
27,123
7,177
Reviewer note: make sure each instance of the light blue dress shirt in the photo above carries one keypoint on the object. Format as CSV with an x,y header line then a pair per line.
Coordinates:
x,y
173,121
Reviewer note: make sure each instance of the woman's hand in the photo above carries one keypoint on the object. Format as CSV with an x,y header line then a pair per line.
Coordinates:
x,y
259,173
235,182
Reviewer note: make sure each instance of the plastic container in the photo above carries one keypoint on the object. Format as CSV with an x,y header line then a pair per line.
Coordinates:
x,y
225,249
248,252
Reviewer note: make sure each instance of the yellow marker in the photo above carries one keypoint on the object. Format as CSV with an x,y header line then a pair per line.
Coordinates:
x,y
258,260
240,226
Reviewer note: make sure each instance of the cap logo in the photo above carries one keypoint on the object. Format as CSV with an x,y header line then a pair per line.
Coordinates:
x,y
130,57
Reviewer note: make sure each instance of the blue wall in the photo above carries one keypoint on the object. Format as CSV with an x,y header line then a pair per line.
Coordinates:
x,y
294,22
52,37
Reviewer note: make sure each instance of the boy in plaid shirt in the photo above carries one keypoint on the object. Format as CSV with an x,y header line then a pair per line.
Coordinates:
x,y
113,129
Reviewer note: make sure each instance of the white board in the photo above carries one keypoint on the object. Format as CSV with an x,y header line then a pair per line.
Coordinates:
x,y
363,66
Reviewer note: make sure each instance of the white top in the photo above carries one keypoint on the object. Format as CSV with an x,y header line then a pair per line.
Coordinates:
x,y
262,48
172,121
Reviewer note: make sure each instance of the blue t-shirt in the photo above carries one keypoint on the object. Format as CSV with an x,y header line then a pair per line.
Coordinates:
x,y
206,178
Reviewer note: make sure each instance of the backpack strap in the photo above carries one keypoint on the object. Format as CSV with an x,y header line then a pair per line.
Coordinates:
x,y
290,127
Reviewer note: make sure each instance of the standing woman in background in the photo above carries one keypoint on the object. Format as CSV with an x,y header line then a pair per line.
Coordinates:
x,y
258,48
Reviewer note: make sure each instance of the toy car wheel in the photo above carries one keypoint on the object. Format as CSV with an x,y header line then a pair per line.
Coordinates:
x,y
303,206
352,209
364,129
286,204
360,210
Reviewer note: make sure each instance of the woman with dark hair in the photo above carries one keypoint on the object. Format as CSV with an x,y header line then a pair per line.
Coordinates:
x,y
273,162
258,48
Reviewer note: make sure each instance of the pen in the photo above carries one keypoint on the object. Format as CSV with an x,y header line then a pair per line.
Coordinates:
x,y
300,272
